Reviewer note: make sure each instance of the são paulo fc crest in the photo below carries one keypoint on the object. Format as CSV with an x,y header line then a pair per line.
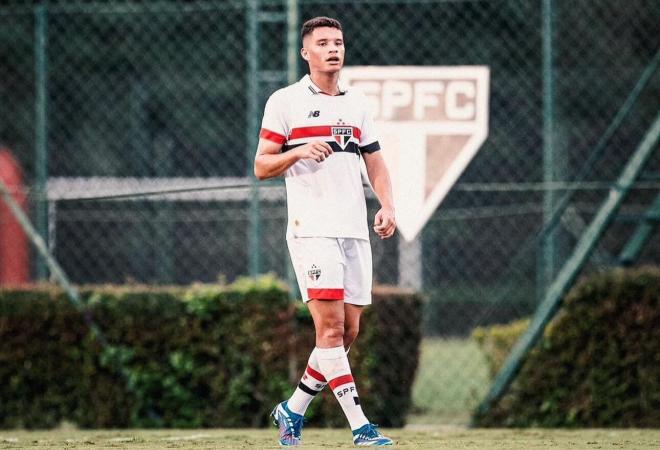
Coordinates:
x,y
314,273
342,134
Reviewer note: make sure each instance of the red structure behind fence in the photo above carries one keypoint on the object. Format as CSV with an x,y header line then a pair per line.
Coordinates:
x,y
14,257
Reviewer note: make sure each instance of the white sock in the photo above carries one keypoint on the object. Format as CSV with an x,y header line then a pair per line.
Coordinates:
x,y
311,383
336,369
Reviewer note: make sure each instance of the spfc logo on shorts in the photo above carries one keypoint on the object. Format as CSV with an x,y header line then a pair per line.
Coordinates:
x,y
342,135
314,273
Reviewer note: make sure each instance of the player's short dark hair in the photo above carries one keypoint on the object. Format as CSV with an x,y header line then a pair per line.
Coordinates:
x,y
318,22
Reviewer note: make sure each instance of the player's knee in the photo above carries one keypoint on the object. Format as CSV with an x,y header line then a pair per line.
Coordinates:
x,y
350,334
332,329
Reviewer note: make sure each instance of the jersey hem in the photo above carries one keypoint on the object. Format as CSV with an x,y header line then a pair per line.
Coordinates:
x,y
291,237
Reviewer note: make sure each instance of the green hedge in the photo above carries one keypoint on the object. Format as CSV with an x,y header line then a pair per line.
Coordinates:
x,y
202,356
598,363
496,341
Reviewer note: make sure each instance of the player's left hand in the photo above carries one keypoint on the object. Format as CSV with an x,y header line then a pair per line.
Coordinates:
x,y
385,223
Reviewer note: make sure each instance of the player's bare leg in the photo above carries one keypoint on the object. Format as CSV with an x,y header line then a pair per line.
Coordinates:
x,y
330,323
312,382
352,314
328,316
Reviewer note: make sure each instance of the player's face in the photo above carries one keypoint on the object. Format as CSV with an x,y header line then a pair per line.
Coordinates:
x,y
323,49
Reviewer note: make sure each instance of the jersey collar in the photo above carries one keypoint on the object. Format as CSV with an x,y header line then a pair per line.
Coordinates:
x,y
315,90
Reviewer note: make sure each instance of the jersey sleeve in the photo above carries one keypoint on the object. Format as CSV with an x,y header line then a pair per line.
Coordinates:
x,y
368,137
274,124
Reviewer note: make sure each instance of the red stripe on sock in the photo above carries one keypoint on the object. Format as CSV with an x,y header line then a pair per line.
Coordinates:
x,y
315,374
344,379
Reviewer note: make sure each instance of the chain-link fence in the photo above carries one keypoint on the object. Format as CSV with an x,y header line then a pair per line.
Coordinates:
x,y
104,103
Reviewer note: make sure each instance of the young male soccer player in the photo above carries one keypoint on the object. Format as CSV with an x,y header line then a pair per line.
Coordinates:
x,y
314,132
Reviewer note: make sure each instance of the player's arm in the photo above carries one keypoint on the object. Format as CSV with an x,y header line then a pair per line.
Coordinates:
x,y
271,162
384,221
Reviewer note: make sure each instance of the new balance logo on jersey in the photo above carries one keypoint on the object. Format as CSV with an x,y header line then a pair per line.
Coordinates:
x,y
342,135
313,114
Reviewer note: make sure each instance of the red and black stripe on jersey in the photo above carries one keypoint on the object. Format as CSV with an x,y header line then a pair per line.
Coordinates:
x,y
370,148
272,136
319,132
351,147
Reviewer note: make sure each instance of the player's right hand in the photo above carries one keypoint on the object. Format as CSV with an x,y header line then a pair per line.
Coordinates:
x,y
316,150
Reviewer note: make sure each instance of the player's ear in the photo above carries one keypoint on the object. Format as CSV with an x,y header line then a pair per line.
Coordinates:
x,y
304,54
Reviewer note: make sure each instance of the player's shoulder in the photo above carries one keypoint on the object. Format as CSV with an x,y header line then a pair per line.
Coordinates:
x,y
284,92
281,98
353,92
278,95
357,97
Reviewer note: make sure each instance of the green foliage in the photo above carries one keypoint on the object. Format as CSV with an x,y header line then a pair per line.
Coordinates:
x,y
452,379
598,363
496,342
202,356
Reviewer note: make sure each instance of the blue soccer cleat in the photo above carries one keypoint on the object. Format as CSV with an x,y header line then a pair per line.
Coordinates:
x,y
289,423
369,435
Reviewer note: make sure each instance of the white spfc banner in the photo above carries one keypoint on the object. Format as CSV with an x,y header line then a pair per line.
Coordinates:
x,y
431,122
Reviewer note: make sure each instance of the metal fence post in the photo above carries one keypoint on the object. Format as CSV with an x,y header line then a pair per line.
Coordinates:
x,y
411,263
292,60
547,256
292,55
41,126
253,132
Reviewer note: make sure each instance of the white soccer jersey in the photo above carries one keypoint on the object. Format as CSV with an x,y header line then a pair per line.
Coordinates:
x,y
324,199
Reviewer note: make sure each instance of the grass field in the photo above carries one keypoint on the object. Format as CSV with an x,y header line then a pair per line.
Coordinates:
x,y
451,379
428,438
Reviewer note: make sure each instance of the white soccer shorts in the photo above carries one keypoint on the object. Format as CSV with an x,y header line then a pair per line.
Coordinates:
x,y
332,268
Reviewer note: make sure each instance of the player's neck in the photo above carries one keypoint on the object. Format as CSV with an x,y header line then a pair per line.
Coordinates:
x,y
328,82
